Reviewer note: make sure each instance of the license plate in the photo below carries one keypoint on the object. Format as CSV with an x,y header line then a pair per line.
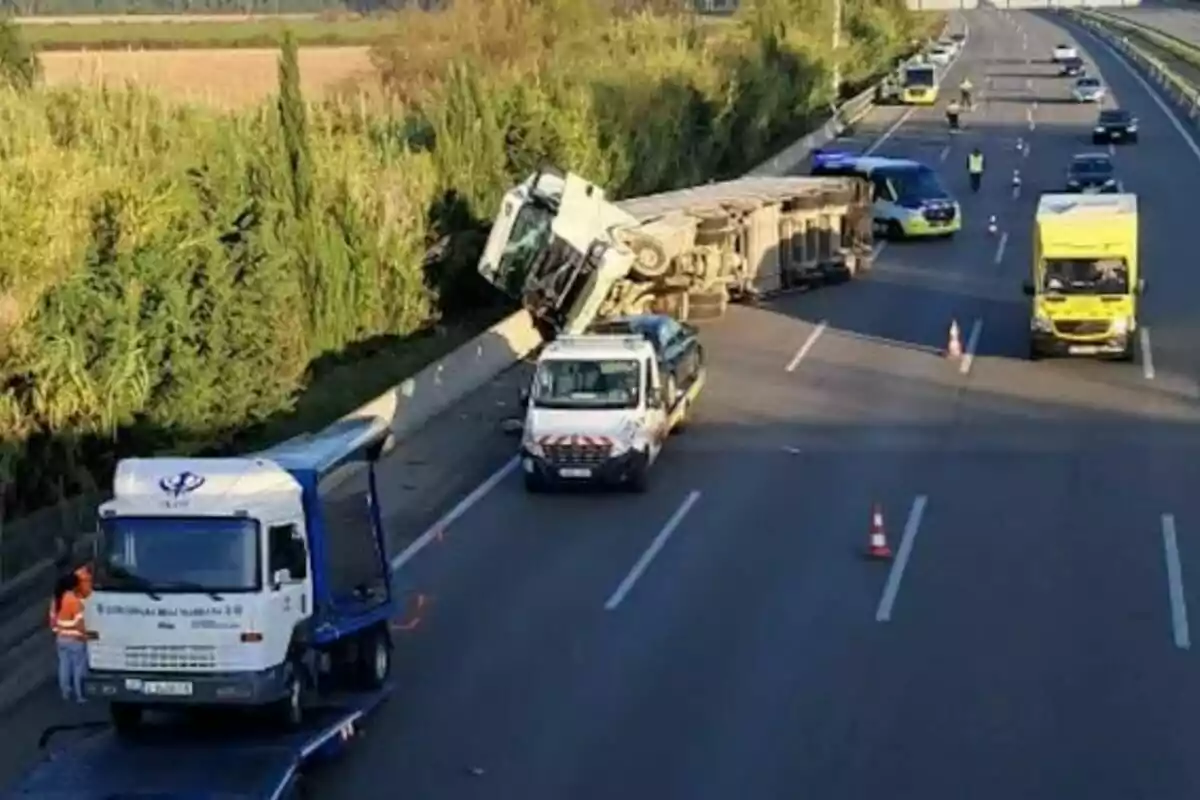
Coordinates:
x,y
1116,134
167,688
1083,349
575,472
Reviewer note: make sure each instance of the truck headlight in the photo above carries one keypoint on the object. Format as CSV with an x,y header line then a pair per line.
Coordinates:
x,y
1099,129
1041,322
1122,325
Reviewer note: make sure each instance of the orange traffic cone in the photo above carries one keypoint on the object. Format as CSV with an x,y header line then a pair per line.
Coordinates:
x,y
878,546
954,347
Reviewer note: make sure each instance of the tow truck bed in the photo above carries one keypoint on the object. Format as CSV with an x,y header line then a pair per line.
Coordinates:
x,y
176,761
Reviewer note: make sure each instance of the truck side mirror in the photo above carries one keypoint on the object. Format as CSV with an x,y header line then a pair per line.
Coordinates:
x,y
280,577
1140,286
1027,288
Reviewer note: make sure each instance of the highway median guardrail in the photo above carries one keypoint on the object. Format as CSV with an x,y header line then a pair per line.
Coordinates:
x,y
1123,36
26,652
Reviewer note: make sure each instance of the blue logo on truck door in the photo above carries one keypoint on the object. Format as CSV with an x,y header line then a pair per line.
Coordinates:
x,y
181,484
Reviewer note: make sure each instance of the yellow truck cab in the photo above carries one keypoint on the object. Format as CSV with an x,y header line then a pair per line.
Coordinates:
x,y
919,84
1086,281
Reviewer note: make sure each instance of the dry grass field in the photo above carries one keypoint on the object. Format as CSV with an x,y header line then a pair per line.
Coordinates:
x,y
224,78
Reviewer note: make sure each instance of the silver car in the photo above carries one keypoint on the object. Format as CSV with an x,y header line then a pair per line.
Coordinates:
x,y
1088,90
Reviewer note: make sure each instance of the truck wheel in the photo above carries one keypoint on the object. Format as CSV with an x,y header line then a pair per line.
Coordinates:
x,y
649,259
895,231
639,478
289,711
126,718
1034,353
375,658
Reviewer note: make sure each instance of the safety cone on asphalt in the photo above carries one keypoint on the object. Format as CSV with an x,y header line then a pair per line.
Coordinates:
x,y
954,347
1016,179
1020,145
992,224
877,547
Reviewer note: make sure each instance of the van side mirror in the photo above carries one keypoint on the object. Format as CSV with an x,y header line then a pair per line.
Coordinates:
x,y
1027,288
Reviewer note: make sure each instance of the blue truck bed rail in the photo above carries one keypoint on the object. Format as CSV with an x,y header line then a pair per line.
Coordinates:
x,y
177,761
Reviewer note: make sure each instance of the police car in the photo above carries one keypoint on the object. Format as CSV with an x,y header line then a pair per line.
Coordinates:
x,y
909,198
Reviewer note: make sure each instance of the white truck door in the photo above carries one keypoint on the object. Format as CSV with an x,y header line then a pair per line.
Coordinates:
x,y
289,585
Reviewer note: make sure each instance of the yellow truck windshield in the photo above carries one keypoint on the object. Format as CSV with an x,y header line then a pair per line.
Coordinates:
x,y
919,77
1085,276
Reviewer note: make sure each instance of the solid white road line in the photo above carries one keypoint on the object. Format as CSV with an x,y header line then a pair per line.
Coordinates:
x,y
878,248
481,491
1119,57
892,587
813,335
972,343
655,546
1003,243
1147,354
1179,620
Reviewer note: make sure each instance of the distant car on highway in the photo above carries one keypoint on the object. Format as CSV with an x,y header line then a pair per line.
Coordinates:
x,y
941,55
1072,68
1088,90
1062,52
1093,173
1115,125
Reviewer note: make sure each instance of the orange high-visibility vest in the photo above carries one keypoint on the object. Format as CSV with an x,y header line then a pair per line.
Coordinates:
x,y
67,622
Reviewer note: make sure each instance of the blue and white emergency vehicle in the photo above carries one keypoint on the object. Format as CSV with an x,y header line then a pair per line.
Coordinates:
x,y
909,199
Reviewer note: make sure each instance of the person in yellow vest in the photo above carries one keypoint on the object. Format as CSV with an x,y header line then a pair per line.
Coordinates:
x,y
975,168
70,636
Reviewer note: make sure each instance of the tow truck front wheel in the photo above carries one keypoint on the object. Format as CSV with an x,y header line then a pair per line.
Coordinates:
x,y
375,658
289,711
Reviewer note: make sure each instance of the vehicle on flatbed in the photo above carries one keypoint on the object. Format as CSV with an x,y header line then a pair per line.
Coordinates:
x,y
601,406
175,757
571,256
261,581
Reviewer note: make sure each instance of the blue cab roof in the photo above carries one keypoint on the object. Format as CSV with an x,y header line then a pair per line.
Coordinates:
x,y
324,451
849,160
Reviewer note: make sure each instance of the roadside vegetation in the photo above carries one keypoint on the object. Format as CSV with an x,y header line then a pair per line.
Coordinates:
x,y
210,33
178,279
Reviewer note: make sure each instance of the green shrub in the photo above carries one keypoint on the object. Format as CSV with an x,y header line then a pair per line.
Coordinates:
x,y
176,277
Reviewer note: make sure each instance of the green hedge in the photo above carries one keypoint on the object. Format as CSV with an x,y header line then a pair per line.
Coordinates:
x,y
181,279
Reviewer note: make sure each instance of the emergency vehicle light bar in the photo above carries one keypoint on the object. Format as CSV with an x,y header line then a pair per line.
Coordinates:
x,y
590,340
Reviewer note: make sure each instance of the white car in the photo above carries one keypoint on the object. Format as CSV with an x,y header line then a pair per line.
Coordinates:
x,y
1088,90
940,56
1062,52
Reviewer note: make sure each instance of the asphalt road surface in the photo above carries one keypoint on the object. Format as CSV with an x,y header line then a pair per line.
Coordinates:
x,y
722,637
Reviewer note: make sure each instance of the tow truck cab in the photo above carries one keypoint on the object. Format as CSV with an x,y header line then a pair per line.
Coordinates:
x,y
908,197
252,581
599,412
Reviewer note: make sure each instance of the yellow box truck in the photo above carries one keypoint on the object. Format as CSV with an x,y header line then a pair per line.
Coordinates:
x,y
1086,279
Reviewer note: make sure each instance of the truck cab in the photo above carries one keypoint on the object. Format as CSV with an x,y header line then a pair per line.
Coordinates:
x,y
252,581
1086,285
599,411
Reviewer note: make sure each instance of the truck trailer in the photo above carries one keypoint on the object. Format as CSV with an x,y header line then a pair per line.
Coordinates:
x,y
572,257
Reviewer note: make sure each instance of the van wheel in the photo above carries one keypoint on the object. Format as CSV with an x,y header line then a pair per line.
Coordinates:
x,y
639,478
126,718
375,658
895,231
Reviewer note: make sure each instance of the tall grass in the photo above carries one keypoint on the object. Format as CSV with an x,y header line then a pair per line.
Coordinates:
x,y
175,276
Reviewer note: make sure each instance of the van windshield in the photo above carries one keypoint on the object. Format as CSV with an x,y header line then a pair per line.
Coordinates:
x,y
918,77
587,384
916,184
1085,276
178,554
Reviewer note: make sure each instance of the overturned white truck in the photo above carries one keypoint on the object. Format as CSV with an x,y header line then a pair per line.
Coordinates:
x,y
572,257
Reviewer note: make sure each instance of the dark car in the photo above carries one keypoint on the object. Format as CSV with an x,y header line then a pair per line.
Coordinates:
x,y
1093,173
1115,125
1072,68
680,354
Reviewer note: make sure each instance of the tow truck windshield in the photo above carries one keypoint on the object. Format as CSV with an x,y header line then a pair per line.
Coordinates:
x,y
164,555
1098,276
563,383
913,185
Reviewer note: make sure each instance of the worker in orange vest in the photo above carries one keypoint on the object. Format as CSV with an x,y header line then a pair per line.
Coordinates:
x,y
70,635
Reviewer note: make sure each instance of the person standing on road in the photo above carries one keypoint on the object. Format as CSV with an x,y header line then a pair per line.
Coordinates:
x,y
70,636
975,168
953,112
